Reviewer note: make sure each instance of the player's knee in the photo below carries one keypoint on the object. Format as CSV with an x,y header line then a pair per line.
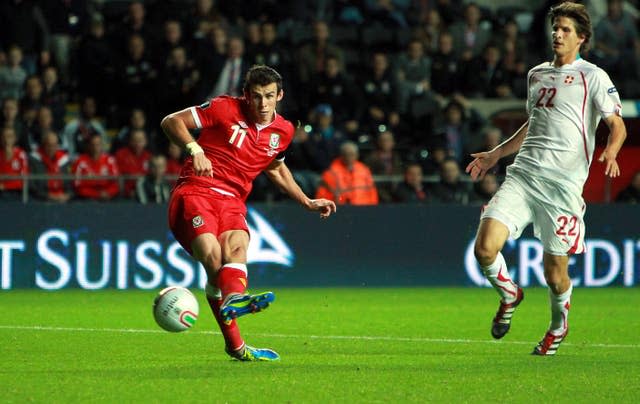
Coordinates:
x,y
485,253
237,254
557,282
210,262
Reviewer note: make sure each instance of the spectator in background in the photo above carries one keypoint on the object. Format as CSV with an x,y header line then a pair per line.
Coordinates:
x,y
13,161
95,162
66,19
380,90
11,116
178,82
53,96
33,95
175,159
491,138
172,38
485,76
23,24
617,45
32,138
94,67
514,62
252,39
335,88
324,139
271,52
204,16
137,78
12,75
631,194
451,188
388,12
78,131
413,70
347,180
432,158
470,37
456,130
133,159
50,160
384,160
310,58
429,30
412,189
445,67
134,24
210,58
234,69
154,187
137,120
306,160
484,189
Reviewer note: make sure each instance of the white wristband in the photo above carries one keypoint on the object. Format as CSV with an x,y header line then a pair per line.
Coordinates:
x,y
193,148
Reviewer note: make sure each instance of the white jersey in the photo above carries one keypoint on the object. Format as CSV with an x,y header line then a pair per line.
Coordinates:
x,y
564,105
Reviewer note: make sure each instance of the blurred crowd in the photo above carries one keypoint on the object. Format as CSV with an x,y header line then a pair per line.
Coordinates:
x,y
379,89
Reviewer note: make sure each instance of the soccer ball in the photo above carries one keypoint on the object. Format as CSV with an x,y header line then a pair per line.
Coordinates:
x,y
175,309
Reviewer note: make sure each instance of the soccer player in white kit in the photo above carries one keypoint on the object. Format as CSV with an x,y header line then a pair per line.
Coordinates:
x,y
566,99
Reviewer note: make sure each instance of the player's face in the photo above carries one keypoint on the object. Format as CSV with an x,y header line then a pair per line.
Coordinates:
x,y
566,41
262,102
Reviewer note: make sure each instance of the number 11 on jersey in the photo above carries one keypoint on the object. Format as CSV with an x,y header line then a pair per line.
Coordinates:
x,y
237,130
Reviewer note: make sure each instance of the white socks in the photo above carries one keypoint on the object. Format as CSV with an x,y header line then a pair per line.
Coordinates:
x,y
560,311
499,277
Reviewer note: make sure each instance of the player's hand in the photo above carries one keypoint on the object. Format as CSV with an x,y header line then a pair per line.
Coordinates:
x,y
481,163
202,165
612,170
324,206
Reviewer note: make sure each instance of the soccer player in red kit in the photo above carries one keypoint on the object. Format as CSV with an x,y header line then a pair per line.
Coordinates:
x,y
240,137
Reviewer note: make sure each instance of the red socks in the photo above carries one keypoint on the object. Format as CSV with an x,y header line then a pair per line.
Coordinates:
x,y
232,278
230,332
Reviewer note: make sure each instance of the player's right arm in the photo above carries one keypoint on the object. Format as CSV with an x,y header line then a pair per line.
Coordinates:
x,y
176,126
483,161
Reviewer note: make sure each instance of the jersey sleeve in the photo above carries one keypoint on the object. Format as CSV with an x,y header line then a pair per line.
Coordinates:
x,y
206,115
605,95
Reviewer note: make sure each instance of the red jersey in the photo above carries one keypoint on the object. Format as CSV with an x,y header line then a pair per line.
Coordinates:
x,y
131,164
16,164
104,165
41,163
238,149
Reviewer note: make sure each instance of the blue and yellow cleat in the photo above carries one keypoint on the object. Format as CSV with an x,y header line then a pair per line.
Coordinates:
x,y
250,354
237,305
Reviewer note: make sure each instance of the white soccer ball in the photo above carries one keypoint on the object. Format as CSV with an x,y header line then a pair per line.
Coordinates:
x,y
175,309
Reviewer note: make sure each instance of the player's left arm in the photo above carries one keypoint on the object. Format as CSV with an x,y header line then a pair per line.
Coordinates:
x,y
617,135
280,175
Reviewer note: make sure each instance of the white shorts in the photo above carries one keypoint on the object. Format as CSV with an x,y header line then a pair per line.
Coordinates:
x,y
556,213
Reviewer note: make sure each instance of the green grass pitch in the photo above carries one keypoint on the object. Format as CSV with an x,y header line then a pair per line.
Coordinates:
x,y
337,345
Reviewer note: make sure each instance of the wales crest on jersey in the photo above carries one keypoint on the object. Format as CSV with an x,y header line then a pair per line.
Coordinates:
x,y
274,141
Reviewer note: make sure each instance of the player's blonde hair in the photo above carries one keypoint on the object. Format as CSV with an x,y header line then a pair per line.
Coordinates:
x,y
578,13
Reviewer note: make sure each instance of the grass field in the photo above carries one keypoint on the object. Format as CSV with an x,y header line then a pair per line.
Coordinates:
x,y
337,345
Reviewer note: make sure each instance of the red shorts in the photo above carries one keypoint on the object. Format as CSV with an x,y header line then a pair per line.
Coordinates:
x,y
195,210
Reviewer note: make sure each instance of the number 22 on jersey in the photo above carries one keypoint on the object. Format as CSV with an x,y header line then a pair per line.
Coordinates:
x,y
546,97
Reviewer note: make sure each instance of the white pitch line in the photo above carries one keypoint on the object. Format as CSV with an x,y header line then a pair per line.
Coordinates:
x,y
328,337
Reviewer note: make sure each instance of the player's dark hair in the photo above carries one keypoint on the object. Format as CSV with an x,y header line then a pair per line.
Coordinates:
x,y
578,13
261,75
